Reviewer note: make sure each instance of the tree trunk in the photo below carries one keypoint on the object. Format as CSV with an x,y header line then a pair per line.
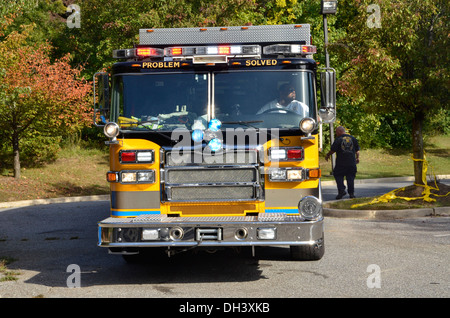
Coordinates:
x,y
16,155
417,143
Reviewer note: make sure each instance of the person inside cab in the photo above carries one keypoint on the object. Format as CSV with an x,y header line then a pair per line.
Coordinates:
x,y
286,100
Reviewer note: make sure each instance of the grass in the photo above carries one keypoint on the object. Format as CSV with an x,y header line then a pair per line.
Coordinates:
x,y
5,274
79,172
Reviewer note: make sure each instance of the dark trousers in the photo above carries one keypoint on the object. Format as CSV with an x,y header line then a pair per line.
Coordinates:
x,y
349,172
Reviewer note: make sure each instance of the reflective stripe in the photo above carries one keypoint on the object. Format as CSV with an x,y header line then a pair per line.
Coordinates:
x,y
133,213
283,210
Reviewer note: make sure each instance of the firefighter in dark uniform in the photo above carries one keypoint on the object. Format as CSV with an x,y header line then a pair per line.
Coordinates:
x,y
346,148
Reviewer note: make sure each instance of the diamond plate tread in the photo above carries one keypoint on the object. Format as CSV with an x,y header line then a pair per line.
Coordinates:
x,y
236,34
150,218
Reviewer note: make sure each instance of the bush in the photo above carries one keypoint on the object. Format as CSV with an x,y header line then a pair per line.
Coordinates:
x,y
438,124
389,131
40,150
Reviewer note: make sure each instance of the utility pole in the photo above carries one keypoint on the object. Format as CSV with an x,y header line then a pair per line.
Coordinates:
x,y
328,7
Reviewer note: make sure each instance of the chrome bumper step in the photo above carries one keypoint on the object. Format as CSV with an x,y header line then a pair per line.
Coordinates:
x,y
161,230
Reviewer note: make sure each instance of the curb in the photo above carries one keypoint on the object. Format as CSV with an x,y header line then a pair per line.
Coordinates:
x,y
19,204
387,214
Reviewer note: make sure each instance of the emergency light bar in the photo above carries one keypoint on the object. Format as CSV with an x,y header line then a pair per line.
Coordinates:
x,y
138,53
290,49
220,50
224,42
213,50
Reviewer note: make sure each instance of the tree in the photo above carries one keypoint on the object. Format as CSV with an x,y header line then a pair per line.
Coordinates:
x,y
400,64
38,95
107,25
45,14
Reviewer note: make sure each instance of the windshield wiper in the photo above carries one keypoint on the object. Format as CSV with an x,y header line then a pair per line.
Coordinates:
x,y
245,123
136,122
140,123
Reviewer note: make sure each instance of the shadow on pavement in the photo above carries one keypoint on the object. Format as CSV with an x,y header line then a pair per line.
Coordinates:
x,y
46,239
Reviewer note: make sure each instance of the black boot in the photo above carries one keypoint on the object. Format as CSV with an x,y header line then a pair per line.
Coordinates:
x,y
340,195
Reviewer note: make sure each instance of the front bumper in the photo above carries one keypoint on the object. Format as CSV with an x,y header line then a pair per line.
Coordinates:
x,y
163,231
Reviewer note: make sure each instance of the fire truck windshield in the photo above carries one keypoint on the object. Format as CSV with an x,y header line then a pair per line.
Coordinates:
x,y
268,99
167,101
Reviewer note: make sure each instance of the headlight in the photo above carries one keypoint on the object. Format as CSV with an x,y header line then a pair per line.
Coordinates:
x,y
310,208
144,176
128,177
295,174
277,175
287,174
307,125
111,130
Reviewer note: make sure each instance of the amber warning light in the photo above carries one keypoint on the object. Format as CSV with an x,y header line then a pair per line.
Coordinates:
x,y
148,51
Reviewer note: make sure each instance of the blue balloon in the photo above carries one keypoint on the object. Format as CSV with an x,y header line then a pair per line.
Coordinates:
x,y
197,135
214,124
215,144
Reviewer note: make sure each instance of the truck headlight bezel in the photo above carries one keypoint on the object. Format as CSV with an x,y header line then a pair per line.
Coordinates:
x,y
137,176
307,125
291,174
111,130
310,208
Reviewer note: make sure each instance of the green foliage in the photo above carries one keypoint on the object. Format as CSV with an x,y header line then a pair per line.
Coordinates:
x,y
281,11
46,15
402,66
439,123
389,131
107,25
40,150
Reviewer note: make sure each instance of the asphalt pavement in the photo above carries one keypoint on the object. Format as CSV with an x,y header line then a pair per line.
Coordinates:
x,y
54,251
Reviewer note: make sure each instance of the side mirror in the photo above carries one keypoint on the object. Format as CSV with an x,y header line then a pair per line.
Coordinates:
x,y
327,111
101,98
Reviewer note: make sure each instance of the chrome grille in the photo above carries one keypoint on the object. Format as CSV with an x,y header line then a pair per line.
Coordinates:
x,y
236,179
210,175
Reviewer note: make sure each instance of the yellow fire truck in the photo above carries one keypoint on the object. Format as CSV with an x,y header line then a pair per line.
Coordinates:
x,y
214,141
